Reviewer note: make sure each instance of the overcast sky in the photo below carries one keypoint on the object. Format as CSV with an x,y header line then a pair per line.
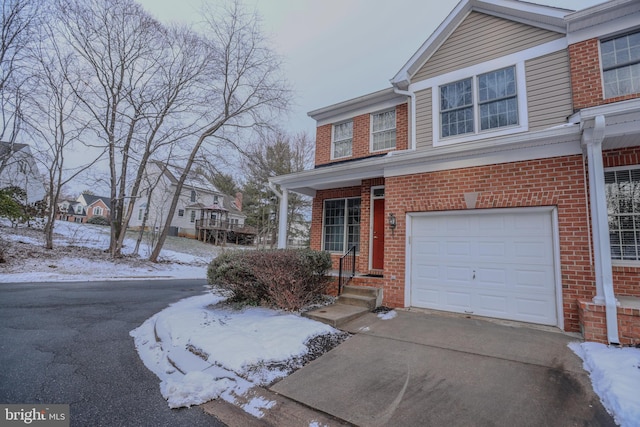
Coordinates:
x,y
336,50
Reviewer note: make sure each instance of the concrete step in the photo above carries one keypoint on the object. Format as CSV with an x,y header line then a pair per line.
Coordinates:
x,y
366,291
337,314
367,302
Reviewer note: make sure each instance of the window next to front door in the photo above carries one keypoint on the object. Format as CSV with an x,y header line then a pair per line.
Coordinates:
x,y
341,224
622,188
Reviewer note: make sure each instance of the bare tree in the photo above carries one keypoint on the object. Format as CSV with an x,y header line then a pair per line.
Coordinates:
x,y
135,73
244,87
18,22
55,121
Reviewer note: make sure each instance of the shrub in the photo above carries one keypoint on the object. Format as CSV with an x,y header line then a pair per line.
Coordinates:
x,y
98,220
287,279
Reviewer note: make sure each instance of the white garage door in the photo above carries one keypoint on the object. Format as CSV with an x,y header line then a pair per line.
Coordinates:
x,y
496,263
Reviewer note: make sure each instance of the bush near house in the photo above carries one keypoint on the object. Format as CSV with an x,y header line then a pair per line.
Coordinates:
x,y
287,279
98,220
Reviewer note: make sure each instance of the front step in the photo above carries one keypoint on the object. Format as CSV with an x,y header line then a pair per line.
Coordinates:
x,y
351,304
360,296
336,315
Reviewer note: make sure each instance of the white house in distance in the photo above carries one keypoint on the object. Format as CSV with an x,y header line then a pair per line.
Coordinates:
x,y
203,212
18,169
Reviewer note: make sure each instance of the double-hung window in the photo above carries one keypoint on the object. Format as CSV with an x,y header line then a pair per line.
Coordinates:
x,y
97,210
480,103
341,226
621,65
193,196
622,189
383,130
342,139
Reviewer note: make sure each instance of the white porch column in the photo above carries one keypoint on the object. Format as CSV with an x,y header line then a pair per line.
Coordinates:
x,y
600,228
282,224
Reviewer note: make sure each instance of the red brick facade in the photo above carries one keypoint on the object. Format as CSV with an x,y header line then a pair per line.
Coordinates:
x,y
361,137
594,323
547,182
586,76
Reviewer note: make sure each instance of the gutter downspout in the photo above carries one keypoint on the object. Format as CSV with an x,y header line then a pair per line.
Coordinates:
x,y
283,213
413,114
600,229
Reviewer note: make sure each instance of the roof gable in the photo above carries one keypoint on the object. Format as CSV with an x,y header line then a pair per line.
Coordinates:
x,y
542,17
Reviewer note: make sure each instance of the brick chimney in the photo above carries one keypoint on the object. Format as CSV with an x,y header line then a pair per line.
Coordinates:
x,y
239,201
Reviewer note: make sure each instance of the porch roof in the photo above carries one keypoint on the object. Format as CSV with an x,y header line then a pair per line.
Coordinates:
x,y
552,142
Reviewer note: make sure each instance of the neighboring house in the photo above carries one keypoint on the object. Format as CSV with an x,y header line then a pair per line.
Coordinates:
x,y
84,208
203,212
497,176
18,169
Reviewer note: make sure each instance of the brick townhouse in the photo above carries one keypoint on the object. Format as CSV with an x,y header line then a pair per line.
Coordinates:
x,y
497,175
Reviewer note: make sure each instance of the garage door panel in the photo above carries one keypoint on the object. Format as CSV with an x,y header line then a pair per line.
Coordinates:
x,y
498,264
533,280
493,277
493,305
459,300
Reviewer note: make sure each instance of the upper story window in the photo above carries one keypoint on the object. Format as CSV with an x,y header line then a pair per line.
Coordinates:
x,y
480,103
97,210
383,130
621,65
193,196
342,140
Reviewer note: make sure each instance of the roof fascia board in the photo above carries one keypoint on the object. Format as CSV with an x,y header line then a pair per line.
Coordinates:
x,y
527,13
433,43
363,103
399,160
616,108
612,26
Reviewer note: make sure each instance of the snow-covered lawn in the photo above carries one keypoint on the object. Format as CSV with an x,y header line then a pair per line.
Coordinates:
x,y
201,349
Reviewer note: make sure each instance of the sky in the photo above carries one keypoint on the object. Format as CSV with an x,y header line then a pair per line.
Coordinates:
x,y
335,50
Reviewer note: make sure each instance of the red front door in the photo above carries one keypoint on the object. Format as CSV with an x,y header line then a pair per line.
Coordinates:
x,y
377,256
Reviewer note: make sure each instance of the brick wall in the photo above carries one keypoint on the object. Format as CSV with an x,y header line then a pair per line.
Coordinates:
x,y
546,182
594,323
361,137
586,76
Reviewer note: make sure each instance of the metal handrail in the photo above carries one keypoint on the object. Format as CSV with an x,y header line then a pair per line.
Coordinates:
x,y
347,266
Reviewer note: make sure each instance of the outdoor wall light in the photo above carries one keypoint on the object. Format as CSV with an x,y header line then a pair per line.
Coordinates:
x,y
392,221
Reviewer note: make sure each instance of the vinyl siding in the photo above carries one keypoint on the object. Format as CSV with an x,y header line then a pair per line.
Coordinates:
x,y
549,90
424,119
480,38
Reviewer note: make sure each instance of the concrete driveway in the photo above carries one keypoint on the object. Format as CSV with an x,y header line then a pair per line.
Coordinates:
x,y
422,369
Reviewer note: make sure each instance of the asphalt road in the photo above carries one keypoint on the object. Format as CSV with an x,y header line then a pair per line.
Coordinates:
x,y
69,343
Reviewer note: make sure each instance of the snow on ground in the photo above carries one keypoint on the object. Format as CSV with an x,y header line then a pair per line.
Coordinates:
x,y
615,376
206,351
201,349
80,254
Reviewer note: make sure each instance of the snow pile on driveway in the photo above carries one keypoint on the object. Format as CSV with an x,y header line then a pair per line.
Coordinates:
x,y
203,350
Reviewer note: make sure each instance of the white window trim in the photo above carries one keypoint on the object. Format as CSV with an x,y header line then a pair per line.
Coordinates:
x,y
371,150
523,118
97,210
333,129
345,237
622,262
518,59
606,39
